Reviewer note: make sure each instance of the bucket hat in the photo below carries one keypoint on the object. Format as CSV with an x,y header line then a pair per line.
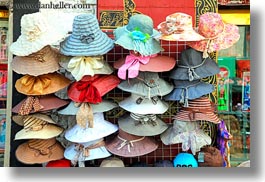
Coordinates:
x,y
127,145
199,109
36,33
59,163
42,85
42,62
189,90
112,162
87,39
188,134
185,160
211,157
143,105
146,84
192,66
219,35
142,125
38,151
139,35
133,63
178,27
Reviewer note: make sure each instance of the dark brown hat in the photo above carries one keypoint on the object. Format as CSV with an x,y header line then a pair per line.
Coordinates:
x,y
212,157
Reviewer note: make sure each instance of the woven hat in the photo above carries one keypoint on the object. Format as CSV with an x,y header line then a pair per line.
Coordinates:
x,y
133,63
189,90
102,128
219,35
33,104
42,84
146,84
87,39
185,160
91,89
36,33
81,66
199,109
127,145
192,66
42,62
112,162
178,27
139,35
211,157
143,105
59,163
142,125
188,134
38,151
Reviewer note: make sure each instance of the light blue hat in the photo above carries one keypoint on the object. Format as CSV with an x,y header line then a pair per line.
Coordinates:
x,y
139,35
86,39
185,160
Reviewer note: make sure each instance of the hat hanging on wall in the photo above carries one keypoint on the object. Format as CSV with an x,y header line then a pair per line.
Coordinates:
x,y
163,163
59,163
112,162
211,157
185,160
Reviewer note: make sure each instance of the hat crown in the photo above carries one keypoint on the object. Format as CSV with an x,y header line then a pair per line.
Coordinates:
x,y
190,57
142,22
179,20
85,24
90,143
201,103
183,126
43,146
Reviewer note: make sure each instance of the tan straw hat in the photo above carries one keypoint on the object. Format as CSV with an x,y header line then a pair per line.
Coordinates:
x,y
112,162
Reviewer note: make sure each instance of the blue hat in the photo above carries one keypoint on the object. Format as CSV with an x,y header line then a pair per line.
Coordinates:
x,y
185,160
86,39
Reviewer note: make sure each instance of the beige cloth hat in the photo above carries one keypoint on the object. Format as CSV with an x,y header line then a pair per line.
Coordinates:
x,y
112,162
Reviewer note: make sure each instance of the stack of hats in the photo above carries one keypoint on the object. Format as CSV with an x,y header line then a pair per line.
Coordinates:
x,y
38,61
84,53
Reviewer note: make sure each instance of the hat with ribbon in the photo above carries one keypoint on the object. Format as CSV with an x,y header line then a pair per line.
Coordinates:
x,y
143,105
139,35
101,128
133,63
37,126
36,33
38,151
185,160
112,162
42,84
146,84
218,34
127,145
192,66
87,39
33,104
59,163
81,66
189,90
199,109
142,124
42,62
178,27
188,134
91,89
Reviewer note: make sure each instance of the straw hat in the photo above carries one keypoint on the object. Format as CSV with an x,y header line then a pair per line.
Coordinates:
x,y
142,125
146,84
112,162
199,109
86,39
178,27
36,33
38,151
185,160
42,62
59,163
211,157
41,85
127,145
139,35
188,134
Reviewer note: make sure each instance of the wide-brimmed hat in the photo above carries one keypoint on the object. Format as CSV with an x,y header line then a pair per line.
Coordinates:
x,y
87,39
112,162
139,35
91,89
185,160
127,145
199,109
188,134
147,84
192,66
59,163
143,105
211,157
81,66
42,84
38,151
189,90
178,27
133,63
102,128
219,35
42,62
33,104
142,125
36,33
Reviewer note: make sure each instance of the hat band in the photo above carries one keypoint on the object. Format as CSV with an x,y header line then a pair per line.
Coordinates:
x,y
141,119
138,35
31,103
150,85
42,147
193,112
34,124
84,115
153,99
129,143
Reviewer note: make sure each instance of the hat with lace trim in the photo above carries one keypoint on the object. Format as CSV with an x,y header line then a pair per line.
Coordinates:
x,y
87,39
36,33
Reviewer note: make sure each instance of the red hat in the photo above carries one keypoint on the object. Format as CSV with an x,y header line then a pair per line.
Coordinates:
x,y
59,163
